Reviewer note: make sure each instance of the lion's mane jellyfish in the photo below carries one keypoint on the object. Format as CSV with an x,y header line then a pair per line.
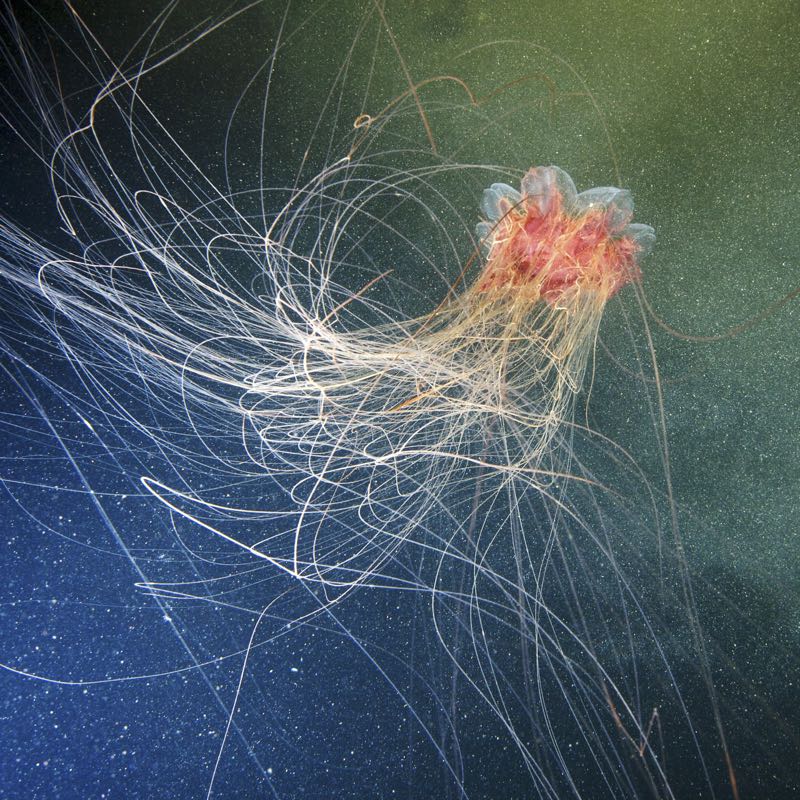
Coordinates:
x,y
334,390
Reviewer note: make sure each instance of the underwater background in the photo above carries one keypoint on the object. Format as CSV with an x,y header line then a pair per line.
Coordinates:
x,y
694,107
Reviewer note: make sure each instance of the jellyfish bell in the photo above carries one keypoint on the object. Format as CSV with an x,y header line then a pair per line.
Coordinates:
x,y
550,242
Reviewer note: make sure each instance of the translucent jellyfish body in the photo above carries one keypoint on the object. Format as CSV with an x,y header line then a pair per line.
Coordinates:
x,y
547,241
